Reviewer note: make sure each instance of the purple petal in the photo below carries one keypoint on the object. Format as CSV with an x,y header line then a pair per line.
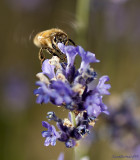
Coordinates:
x,y
55,132
93,99
46,125
38,91
94,110
87,57
53,141
106,112
104,108
47,141
67,99
43,87
62,47
46,133
58,100
70,52
62,92
48,69
46,99
39,99
102,88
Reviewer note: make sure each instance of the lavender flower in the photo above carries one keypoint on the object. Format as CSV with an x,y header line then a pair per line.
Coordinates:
x,y
123,123
61,157
63,85
51,134
122,126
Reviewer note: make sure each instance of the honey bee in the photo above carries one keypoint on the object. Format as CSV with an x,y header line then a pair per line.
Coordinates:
x,y
48,40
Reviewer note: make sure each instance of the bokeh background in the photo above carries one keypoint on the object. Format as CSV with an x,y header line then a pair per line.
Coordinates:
x,y
110,29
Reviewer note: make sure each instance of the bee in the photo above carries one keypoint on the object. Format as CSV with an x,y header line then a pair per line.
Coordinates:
x,y
48,40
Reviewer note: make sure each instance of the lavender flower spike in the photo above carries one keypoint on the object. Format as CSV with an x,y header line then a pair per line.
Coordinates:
x,y
62,84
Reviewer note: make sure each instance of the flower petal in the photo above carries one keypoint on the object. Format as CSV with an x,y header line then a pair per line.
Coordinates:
x,y
87,57
48,69
102,88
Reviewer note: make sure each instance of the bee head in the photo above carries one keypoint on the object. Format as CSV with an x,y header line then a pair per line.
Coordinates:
x,y
60,38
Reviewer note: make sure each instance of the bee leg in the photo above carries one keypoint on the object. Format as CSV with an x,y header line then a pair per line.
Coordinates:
x,y
51,52
71,41
57,49
41,55
54,54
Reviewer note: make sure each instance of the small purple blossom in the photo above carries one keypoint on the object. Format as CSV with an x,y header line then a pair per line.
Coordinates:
x,y
62,84
51,134
123,122
70,143
102,88
87,58
92,104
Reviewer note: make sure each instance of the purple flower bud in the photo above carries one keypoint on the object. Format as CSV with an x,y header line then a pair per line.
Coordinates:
x,y
70,143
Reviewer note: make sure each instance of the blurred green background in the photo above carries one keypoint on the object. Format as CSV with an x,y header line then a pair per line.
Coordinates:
x,y
108,28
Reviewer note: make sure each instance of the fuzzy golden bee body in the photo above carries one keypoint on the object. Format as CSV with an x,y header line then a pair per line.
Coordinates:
x,y
49,39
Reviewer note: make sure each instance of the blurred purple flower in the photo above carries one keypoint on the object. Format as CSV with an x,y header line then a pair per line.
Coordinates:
x,y
25,5
16,91
116,19
61,156
122,126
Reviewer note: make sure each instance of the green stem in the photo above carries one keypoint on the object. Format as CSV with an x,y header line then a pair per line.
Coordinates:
x,y
76,148
76,153
73,118
82,18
